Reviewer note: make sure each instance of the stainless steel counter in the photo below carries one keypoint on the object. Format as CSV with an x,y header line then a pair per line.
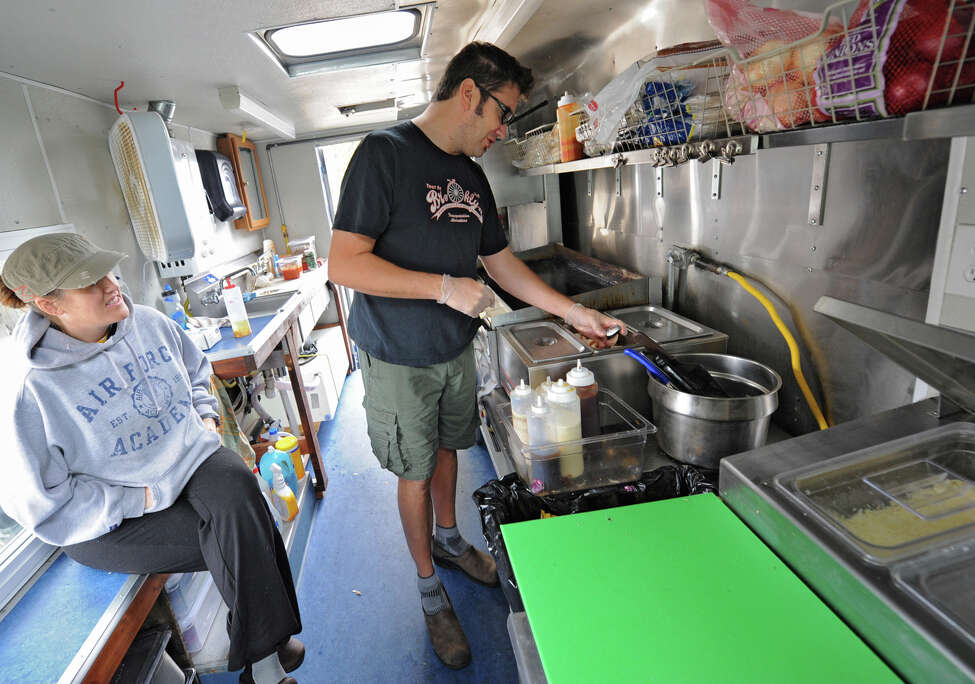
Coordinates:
x,y
912,641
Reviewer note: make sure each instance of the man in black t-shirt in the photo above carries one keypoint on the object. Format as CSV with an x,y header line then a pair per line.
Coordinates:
x,y
414,216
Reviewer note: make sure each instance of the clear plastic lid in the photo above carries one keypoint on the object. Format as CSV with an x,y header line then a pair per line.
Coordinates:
x,y
944,583
896,499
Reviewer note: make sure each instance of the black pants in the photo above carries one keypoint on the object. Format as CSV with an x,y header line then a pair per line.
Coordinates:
x,y
219,523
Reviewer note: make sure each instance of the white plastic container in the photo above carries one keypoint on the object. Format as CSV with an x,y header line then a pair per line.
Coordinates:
x,y
196,625
544,387
183,591
236,312
521,402
568,426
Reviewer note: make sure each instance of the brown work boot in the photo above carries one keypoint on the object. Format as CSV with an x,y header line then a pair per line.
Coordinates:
x,y
477,565
447,637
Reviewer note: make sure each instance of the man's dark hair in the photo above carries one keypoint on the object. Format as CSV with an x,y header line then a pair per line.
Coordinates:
x,y
489,66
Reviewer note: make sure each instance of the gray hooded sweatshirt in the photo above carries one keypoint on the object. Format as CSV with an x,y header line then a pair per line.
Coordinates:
x,y
93,424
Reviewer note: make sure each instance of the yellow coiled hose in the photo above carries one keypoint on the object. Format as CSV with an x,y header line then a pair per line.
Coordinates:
x,y
793,348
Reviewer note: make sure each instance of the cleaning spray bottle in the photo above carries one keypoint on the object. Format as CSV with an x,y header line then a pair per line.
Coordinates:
x,y
282,497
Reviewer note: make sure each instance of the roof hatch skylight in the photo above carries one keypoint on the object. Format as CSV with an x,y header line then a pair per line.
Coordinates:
x,y
348,42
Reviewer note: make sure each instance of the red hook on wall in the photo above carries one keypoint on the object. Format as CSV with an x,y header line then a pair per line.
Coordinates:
x,y
120,86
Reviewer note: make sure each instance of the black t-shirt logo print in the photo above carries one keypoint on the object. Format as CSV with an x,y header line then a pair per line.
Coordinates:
x,y
455,198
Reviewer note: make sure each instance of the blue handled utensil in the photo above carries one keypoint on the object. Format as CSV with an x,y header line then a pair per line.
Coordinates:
x,y
658,374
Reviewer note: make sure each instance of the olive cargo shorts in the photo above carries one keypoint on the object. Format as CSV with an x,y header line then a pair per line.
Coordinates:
x,y
410,412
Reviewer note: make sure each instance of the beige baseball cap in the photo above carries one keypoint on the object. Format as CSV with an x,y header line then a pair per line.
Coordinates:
x,y
56,261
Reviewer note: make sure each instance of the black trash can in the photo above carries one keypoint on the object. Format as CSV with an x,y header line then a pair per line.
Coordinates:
x,y
508,500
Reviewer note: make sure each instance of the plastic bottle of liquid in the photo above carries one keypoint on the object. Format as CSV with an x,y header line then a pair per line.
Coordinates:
x,y
282,460
521,401
173,308
587,390
568,115
288,443
544,387
234,300
568,425
544,466
282,496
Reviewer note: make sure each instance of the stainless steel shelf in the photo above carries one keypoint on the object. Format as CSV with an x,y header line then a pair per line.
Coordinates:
x,y
950,122
748,143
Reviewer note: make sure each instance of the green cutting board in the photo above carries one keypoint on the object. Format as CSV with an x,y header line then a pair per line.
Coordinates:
x,y
675,591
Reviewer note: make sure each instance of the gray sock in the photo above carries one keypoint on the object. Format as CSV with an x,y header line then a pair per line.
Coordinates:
x,y
268,670
433,598
450,539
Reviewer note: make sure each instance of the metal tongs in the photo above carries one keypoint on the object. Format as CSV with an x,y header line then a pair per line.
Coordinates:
x,y
689,378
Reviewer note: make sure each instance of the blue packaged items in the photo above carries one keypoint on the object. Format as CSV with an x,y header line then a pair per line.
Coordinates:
x,y
668,121
287,468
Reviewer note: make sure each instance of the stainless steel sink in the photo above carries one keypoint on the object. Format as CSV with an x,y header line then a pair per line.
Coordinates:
x,y
262,305
267,305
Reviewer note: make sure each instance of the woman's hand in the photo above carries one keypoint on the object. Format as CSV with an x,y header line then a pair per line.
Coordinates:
x,y
210,424
150,500
593,324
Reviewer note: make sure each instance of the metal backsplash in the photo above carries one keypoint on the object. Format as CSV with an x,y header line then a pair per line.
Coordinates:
x,y
874,246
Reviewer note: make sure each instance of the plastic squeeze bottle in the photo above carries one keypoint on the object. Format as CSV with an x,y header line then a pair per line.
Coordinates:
x,y
236,312
568,426
568,116
544,387
521,401
542,463
282,497
587,389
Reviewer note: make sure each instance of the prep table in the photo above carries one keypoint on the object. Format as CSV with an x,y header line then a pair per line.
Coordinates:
x,y
275,342
909,604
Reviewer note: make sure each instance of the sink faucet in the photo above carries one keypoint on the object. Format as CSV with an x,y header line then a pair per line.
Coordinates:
x,y
211,296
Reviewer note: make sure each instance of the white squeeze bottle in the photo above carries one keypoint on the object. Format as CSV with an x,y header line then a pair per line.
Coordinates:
x,y
544,387
541,427
236,312
586,388
521,401
282,497
568,425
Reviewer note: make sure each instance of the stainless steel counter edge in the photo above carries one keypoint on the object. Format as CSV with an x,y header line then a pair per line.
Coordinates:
x,y
309,281
910,639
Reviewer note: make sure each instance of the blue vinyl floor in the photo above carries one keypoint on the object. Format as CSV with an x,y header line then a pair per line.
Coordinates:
x,y
356,545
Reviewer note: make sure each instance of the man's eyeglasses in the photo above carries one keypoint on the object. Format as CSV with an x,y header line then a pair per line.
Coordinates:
x,y
506,114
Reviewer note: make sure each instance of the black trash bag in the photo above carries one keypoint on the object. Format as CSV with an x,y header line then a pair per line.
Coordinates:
x,y
508,500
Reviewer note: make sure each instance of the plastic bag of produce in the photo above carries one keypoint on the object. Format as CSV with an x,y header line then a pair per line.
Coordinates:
x,y
774,87
899,56
508,500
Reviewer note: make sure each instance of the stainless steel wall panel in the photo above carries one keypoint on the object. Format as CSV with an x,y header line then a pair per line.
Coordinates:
x,y
875,247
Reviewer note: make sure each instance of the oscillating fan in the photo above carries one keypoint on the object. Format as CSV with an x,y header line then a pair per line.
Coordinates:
x,y
143,156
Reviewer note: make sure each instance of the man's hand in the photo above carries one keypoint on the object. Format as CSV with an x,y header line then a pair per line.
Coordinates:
x,y
466,295
592,324
210,424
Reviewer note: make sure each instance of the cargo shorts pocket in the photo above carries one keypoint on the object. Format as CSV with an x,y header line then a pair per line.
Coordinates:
x,y
382,428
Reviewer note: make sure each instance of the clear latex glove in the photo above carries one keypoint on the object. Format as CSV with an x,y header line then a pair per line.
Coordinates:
x,y
593,324
466,295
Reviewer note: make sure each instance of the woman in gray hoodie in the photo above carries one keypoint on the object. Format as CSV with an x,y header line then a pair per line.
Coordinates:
x,y
115,454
